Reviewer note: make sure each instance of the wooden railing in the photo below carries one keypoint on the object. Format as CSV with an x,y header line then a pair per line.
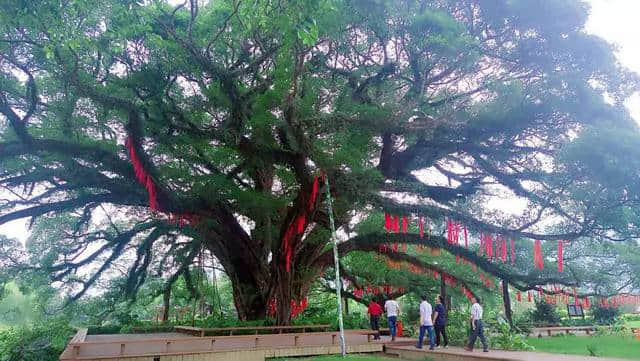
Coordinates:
x,y
200,331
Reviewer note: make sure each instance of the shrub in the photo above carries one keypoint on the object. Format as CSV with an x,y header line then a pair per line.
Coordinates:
x,y
545,314
507,339
458,327
35,343
631,317
605,315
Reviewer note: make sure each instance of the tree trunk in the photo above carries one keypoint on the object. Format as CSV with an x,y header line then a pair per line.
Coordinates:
x,y
248,299
443,292
166,298
507,302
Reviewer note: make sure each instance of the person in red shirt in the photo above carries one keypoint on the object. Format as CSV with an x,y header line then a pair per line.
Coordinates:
x,y
374,316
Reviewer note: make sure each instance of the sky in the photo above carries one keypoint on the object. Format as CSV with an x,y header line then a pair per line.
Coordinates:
x,y
614,20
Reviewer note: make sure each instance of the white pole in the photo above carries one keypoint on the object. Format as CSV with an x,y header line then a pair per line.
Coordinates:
x,y
338,285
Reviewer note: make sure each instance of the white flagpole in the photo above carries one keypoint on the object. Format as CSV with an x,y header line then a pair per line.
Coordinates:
x,y
338,283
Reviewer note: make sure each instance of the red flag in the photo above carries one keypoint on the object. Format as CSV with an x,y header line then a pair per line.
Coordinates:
x,y
420,227
560,257
519,296
504,249
405,224
529,296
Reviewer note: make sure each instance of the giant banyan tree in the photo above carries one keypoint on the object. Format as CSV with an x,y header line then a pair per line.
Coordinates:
x,y
149,132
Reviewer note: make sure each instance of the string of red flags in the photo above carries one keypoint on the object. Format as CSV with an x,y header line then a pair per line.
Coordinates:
x,y
377,290
560,257
180,219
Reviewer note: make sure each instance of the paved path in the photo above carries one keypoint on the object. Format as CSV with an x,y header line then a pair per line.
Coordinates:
x,y
500,355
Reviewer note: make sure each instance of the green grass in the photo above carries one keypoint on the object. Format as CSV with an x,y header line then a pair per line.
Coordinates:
x,y
603,346
635,324
339,358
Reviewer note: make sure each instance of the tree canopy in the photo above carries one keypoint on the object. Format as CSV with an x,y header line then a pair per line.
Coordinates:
x,y
144,133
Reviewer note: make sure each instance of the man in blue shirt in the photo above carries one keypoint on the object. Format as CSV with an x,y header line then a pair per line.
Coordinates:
x,y
440,316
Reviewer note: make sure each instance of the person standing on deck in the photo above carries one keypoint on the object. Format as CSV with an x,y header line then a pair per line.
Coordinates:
x,y
374,317
393,311
477,326
440,321
426,323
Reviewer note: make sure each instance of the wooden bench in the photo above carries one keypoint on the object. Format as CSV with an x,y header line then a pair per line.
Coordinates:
x,y
199,331
568,329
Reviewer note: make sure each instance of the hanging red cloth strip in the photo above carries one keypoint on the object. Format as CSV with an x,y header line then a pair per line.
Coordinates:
x,y
298,226
513,251
466,239
396,224
141,174
420,227
387,222
529,296
537,255
313,197
503,242
489,246
405,224
519,296
560,257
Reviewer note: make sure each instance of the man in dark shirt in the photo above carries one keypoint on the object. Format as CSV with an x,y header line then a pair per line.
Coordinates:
x,y
374,316
440,321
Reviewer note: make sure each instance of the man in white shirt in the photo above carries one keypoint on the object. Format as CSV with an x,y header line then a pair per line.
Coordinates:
x,y
426,323
477,326
393,311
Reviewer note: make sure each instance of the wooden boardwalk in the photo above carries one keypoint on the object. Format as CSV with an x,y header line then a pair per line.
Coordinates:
x,y
183,347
